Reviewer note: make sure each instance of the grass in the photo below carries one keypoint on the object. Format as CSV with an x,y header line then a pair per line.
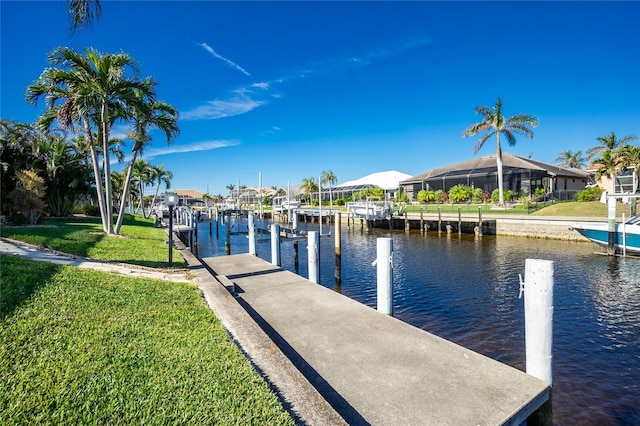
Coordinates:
x,y
86,347
141,243
563,208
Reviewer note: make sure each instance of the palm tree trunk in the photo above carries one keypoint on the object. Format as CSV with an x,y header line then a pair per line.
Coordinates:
x,y
97,177
141,200
107,168
153,202
499,164
125,193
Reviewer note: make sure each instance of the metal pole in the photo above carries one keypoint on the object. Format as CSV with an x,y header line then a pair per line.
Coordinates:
x,y
538,313
252,234
275,244
313,256
338,242
384,265
170,235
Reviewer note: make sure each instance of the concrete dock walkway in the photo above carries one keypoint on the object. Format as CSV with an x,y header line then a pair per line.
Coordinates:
x,y
336,361
370,367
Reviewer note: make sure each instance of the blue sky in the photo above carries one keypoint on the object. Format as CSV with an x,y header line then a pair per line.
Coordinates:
x,y
291,89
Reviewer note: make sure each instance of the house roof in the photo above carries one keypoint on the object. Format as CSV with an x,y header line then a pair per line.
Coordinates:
x,y
386,180
192,193
485,165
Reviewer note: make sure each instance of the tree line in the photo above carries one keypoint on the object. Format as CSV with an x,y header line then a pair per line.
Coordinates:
x,y
85,95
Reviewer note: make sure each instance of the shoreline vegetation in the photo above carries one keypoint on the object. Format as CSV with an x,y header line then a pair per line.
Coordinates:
x,y
81,346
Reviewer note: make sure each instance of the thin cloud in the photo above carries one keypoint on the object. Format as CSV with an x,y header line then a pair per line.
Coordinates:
x,y
193,147
248,98
215,54
241,103
180,149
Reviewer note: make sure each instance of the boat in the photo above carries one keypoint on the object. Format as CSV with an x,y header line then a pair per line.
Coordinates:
x,y
626,237
285,203
369,209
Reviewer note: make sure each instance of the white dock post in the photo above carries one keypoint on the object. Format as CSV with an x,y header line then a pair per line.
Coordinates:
x,y
275,244
611,210
538,317
384,265
338,247
295,220
252,234
313,256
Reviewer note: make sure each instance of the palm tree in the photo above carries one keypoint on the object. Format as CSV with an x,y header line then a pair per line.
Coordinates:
x,y
161,175
494,123
206,197
82,13
608,156
147,112
143,176
609,142
329,178
608,164
230,187
308,186
631,160
89,91
570,159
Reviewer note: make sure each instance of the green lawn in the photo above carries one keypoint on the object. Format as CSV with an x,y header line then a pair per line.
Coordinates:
x,y
141,242
85,347
564,208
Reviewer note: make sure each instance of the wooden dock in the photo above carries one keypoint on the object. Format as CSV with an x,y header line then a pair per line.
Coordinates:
x,y
370,367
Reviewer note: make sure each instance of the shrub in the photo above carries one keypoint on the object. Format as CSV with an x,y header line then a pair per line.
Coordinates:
x,y
438,196
588,194
460,193
476,195
88,210
495,195
28,197
539,193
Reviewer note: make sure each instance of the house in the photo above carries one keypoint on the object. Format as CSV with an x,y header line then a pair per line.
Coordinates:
x,y
188,197
389,181
520,175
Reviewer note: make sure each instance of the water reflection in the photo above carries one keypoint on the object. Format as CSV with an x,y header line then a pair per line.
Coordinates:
x,y
465,289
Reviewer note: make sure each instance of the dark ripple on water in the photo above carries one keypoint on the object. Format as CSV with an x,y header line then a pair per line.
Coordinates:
x,y
465,289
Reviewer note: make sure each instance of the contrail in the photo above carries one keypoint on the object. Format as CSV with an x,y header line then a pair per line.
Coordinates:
x,y
225,60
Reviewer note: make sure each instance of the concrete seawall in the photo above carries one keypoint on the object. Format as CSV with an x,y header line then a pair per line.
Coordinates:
x,y
546,227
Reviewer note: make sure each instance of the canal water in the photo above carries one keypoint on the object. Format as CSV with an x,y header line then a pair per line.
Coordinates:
x,y
465,289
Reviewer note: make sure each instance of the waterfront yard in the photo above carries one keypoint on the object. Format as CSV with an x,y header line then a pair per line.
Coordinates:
x,y
141,243
85,347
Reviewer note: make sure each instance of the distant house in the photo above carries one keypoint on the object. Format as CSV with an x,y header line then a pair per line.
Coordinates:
x,y
389,181
188,197
625,182
521,175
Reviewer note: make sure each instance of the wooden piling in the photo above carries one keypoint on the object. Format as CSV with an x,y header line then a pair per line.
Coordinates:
x,y
227,232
